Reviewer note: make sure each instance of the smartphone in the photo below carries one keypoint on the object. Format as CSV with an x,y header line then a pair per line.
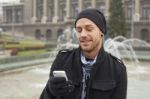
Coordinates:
x,y
60,74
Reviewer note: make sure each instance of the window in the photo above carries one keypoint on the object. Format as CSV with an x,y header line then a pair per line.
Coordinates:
x,y
74,10
145,13
50,9
48,34
18,15
129,13
38,34
101,6
59,32
39,9
87,4
145,35
9,15
145,10
62,12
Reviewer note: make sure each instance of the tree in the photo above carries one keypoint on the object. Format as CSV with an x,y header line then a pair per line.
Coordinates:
x,y
116,21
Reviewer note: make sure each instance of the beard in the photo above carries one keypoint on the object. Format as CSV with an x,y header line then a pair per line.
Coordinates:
x,y
90,48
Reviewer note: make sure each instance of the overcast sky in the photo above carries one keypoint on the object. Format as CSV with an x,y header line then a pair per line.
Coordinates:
x,y
1,1
6,1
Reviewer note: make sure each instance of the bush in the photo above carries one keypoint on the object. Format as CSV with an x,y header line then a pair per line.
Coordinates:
x,y
14,52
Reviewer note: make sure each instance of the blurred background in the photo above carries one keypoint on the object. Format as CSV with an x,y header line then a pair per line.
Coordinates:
x,y
32,32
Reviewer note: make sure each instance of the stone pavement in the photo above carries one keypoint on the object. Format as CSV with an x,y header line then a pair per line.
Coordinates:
x,y
138,80
138,89
28,83
24,83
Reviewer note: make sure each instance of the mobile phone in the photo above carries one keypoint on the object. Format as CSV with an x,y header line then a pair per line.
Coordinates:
x,y
60,74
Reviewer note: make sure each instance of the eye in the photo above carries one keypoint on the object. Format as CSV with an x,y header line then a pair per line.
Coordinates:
x,y
79,29
89,29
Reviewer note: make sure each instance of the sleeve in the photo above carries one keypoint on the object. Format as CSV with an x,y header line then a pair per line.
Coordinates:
x,y
46,94
120,92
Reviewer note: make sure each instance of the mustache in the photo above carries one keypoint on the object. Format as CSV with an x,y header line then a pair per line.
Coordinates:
x,y
84,39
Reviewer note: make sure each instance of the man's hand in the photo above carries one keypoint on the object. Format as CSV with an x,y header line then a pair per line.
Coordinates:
x,y
59,86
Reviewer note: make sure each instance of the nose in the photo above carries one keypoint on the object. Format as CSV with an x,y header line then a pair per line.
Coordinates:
x,y
83,33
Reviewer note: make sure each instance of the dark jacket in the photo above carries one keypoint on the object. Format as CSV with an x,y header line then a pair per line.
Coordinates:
x,y
108,78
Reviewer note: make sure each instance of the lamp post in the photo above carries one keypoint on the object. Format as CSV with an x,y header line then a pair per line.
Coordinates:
x,y
13,21
132,19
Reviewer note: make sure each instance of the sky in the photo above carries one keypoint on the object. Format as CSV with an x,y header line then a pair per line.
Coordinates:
x,y
2,1
6,1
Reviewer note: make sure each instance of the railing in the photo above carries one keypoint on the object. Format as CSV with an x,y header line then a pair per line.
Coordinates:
x,y
141,55
15,59
22,61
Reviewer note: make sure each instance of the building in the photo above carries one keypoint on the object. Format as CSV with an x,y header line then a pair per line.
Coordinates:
x,y
1,13
138,18
0,18
46,19
13,17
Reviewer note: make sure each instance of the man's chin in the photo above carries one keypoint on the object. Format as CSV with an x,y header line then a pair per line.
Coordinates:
x,y
86,49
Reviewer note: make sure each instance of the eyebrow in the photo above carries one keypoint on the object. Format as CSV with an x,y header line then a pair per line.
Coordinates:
x,y
88,25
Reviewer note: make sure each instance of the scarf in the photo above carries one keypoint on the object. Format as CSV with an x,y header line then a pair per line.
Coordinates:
x,y
87,67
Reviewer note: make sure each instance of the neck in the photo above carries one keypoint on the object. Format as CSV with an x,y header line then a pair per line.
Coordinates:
x,y
92,54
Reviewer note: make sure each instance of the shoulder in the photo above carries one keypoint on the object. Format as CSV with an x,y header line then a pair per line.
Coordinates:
x,y
66,52
62,57
117,63
118,66
116,59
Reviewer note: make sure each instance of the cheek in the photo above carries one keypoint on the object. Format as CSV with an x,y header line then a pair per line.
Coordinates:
x,y
97,38
77,36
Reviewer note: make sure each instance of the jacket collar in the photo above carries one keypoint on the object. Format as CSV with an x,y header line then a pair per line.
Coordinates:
x,y
75,69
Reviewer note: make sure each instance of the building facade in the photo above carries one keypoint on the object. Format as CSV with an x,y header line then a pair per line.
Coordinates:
x,y
46,19
138,18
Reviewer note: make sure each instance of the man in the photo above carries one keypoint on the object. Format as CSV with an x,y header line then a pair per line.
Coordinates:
x,y
92,73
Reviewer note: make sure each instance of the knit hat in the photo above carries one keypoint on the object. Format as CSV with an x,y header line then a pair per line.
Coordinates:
x,y
95,16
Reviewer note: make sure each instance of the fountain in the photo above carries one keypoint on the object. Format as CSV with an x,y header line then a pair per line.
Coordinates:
x,y
122,47
117,48
67,40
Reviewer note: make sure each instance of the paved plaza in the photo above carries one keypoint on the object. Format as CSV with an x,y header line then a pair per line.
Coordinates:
x,y
28,83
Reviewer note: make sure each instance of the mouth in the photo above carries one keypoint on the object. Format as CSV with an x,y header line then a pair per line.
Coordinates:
x,y
85,42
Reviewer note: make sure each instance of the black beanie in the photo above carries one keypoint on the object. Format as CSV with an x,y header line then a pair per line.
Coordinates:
x,y
95,16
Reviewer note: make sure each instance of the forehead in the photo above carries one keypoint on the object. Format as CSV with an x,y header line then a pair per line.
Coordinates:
x,y
84,22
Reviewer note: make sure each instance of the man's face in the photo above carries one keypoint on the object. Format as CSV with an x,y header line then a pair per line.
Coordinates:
x,y
89,35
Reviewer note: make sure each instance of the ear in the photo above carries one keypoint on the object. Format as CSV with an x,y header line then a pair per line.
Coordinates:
x,y
101,34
